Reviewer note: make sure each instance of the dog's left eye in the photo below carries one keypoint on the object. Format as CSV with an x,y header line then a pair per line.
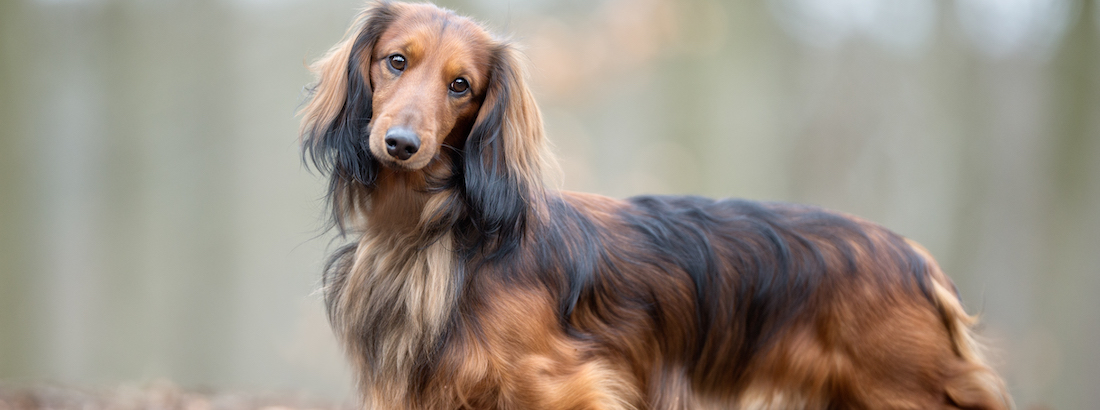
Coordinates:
x,y
397,61
459,85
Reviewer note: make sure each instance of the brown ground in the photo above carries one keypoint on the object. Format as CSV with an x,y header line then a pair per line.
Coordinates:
x,y
154,396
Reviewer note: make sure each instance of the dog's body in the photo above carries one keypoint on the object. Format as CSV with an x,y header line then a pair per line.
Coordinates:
x,y
473,286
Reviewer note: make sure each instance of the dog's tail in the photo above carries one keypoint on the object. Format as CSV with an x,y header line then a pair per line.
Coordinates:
x,y
970,382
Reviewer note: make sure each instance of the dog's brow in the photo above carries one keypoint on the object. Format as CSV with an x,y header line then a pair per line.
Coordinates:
x,y
412,44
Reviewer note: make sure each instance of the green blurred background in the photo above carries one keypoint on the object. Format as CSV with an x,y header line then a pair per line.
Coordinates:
x,y
156,221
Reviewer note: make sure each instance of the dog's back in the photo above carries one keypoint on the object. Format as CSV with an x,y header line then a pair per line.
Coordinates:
x,y
772,305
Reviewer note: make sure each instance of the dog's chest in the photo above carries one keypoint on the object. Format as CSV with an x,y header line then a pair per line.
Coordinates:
x,y
393,305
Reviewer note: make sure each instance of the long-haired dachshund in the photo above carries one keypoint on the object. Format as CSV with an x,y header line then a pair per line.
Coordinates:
x,y
472,285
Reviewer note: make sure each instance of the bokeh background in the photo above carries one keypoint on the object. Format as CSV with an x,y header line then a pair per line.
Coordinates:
x,y
157,223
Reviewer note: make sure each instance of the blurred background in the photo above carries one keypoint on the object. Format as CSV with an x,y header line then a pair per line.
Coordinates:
x,y
157,223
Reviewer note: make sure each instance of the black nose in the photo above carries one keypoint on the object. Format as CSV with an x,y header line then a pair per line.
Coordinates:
x,y
402,143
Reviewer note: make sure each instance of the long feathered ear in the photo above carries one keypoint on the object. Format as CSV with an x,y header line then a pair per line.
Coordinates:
x,y
335,121
504,157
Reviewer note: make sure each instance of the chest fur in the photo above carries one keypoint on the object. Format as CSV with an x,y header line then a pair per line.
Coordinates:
x,y
391,307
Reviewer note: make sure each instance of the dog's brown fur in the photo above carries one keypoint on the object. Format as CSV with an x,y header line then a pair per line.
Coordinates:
x,y
471,285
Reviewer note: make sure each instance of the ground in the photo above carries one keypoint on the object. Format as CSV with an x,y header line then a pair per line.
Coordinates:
x,y
152,396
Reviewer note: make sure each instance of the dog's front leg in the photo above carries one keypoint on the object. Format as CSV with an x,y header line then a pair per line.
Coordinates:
x,y
520,348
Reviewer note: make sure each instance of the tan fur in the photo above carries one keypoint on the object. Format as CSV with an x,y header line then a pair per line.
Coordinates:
x,y
330,90
384,267
536,366
974,383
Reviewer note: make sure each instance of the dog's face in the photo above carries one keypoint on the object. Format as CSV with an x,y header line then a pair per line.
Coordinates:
x,y
419,91
429,72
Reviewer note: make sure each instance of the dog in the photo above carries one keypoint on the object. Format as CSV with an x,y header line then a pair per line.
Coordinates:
x,y
471,284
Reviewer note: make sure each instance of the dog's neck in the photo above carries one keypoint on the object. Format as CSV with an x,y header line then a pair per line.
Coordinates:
x,y
396,204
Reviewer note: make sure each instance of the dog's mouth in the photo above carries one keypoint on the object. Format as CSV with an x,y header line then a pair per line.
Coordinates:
x,y
411,164
396,165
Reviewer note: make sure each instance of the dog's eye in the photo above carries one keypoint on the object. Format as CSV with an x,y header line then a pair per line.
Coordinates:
x,y
397,61
460,85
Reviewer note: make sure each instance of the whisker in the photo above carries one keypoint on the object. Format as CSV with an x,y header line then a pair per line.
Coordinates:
x,y
449,146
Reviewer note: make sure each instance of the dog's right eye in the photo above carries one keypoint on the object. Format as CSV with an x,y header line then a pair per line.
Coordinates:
x,y
397,62
459,85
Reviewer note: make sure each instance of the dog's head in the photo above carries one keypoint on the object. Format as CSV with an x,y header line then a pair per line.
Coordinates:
x,y
418,90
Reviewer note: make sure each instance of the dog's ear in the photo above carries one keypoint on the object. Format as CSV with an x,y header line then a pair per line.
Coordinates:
x,y
504,156
335,121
